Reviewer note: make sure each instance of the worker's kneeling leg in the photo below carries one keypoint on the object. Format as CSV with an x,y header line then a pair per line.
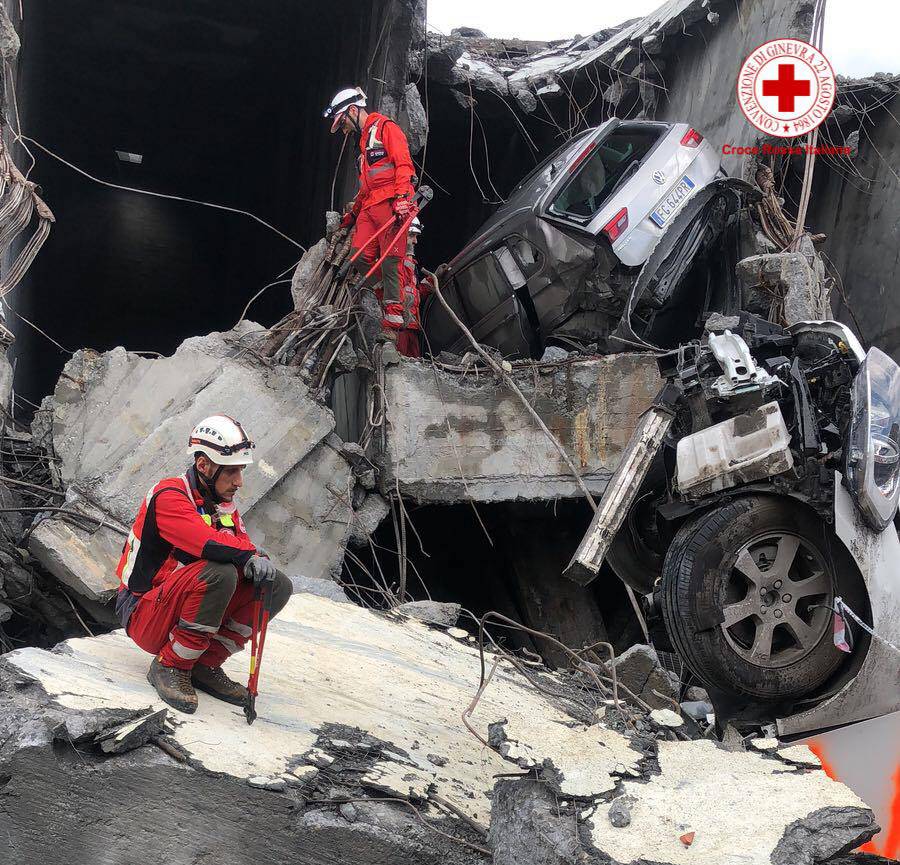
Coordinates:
x,y
237,622
176,618
282,590
200,615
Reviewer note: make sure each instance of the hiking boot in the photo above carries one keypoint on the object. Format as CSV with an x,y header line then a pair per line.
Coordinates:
x,y
173,686
213,681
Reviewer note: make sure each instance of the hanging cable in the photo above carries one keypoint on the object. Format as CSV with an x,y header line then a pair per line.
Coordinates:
x,y
164,195
337,169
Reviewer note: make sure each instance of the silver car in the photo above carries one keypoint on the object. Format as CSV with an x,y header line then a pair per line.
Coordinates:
x,y
557,261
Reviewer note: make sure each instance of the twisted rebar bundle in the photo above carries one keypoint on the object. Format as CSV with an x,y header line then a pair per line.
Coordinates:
x,y
18,203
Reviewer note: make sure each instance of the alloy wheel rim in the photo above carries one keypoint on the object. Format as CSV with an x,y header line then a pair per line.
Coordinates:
x,y
777,600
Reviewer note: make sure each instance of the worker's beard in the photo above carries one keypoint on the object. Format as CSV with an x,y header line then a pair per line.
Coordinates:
x,y
209,485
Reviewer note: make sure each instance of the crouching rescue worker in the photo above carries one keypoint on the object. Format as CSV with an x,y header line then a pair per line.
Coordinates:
x,y
385,195
188,571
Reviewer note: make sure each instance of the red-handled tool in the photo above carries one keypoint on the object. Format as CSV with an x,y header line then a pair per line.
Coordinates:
x,y
262,610
423,195
404,226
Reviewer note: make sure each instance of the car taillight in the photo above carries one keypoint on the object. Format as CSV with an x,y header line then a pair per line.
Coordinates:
x,y
691,138
616,225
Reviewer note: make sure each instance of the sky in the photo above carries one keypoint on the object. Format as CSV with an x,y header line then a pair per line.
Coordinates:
x,y
860,35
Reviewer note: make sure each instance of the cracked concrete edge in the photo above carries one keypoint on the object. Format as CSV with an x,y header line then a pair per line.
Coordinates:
x,y
525,757
39,737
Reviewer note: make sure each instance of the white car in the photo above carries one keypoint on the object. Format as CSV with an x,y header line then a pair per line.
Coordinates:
x,y
558,260
629,179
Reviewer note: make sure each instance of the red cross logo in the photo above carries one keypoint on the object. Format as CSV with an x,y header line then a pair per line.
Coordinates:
x,y
786,87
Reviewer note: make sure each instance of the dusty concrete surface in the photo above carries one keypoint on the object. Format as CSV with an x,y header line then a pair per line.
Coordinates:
x,y
450,438
356,705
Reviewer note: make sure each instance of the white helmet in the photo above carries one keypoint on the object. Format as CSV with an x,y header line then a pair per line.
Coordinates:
x,y
223,440
415,226
343,99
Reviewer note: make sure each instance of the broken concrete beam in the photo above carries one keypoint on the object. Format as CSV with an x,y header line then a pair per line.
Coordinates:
x,y
120,421
305,272
367,517
432,612
378,700
120,424
304,521
795,278
413,119
9,39
81,560
6,370
451,439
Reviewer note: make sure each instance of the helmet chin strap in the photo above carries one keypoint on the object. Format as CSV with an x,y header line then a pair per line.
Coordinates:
x,y
354,119
210,483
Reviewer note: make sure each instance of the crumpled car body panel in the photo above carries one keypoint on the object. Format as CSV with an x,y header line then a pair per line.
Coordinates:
x,y
875,689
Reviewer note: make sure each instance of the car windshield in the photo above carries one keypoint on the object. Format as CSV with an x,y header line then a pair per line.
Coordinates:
x,y
615,159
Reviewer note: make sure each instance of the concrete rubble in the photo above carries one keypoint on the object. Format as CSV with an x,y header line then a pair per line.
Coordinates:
x,y
359,754
116,424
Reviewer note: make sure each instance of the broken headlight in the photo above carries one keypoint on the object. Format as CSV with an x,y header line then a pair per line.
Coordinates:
x,y
873,453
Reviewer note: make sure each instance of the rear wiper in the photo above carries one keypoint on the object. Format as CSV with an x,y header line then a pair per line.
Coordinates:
x,y
626,174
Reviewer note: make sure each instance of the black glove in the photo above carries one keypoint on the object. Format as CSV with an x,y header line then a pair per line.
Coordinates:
x,y
259,570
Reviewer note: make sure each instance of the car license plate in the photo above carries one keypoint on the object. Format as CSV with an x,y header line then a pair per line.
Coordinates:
x,y
673,201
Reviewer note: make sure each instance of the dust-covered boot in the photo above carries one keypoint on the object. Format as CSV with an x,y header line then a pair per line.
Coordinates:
x,y
173,686
213,681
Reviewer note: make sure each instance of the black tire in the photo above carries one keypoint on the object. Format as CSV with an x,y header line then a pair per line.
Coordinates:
x,y
636,559
632,561
751,653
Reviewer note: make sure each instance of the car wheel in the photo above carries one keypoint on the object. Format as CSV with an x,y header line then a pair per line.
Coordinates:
x,y
746,595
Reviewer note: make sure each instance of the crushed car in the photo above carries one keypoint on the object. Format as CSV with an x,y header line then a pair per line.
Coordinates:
x,y
755,509
559,263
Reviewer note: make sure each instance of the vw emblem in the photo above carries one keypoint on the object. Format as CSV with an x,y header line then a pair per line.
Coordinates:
x,y
659,177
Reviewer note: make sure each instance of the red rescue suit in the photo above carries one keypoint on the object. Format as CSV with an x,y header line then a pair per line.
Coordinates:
x,y
386,172
386,169
181,565
413,290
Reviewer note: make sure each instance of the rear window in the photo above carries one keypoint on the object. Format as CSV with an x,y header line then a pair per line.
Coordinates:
x,y
614,159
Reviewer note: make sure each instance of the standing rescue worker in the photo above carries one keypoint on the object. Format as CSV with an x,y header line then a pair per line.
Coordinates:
x,y
188,571
415,285
385,194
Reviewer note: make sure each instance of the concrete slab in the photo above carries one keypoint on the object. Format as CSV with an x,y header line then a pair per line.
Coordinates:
x,y
378,702
325,662
449,438
303,522
742,808
120,421
81,560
